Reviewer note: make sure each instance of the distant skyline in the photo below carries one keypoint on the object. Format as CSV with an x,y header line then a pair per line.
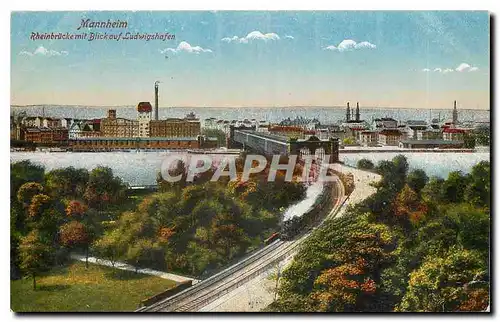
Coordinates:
x,y
262,59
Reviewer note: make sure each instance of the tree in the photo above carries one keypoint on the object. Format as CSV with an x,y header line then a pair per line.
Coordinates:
x,y
417,179
338,267
76,209
67,182
441,283
228,238
453,188
482,135
408,206
478,190
348,141
179,169
27,191
433,192
22,172
35,255
111,247
144,253
469,140
472,226
75,234
103,188
365,164
40,203
199,257
343,288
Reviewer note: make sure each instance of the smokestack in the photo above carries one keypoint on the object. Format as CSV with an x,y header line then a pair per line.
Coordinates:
x,y
156,100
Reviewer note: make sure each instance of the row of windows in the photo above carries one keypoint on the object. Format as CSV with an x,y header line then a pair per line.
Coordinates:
x,y
133,143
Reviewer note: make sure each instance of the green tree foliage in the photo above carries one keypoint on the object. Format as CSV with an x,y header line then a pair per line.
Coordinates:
x,y
67,182
469,140
111,246
482,135
432,190
472,226
417,179
479,188
207,222
412,246
35,255
44,213
176,170
144,253
365,164
22,172
441,284
103,188
27,191
338,268
349,141
453,188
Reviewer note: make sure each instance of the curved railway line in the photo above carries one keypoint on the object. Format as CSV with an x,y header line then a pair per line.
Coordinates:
x,y
212,288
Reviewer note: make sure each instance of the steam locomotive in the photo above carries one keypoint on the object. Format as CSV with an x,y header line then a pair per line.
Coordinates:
x,y
297,225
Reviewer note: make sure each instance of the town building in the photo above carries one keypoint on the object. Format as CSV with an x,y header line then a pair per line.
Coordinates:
x,y
50,122
32,121
353,124
368,138
299,121
453,134
384,123
129,143
175,127
389,137
287,131
210,123
414,127
113,126
43,135
430,134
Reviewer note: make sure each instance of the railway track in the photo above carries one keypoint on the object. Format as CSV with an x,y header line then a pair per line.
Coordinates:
x,y
207,291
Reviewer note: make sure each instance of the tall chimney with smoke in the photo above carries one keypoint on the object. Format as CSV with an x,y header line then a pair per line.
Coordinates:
x,y
156,100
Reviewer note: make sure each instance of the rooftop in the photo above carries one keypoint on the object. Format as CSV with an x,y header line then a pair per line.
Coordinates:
x,y
144,107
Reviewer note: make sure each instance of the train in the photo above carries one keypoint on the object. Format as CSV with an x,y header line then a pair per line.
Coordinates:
x,y
297,225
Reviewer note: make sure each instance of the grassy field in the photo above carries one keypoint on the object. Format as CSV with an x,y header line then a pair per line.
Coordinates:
x,y
74,289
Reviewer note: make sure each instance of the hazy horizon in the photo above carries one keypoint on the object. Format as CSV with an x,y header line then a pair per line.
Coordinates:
x,y
263,107
393,59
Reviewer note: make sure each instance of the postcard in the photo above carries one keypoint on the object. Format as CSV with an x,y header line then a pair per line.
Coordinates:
x,y
250,161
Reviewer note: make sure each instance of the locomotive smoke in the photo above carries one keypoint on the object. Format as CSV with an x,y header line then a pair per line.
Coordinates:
x,y
312,194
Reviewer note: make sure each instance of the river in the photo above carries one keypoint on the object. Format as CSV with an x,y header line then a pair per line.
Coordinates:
x,y
141,168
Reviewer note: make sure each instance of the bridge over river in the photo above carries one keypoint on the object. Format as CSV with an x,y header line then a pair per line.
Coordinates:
x,y
270,144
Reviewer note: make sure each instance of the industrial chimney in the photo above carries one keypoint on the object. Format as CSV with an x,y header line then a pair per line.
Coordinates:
x,y
156,100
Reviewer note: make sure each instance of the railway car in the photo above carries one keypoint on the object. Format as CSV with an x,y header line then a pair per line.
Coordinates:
x,y
272,238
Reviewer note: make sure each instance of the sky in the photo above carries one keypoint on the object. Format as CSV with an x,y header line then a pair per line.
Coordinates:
x,y
406,59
